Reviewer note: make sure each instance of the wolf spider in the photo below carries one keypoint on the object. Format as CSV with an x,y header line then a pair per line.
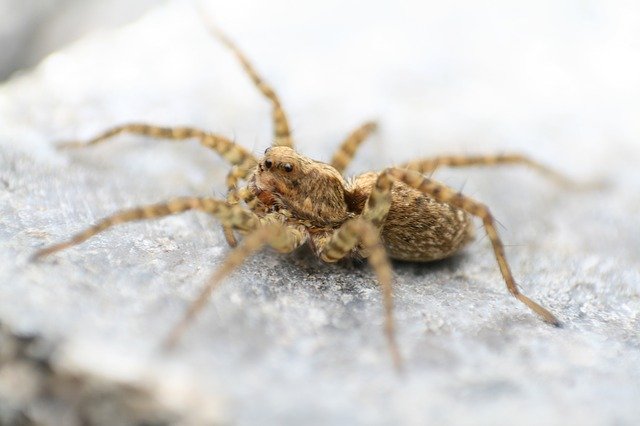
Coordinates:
x,y
290,200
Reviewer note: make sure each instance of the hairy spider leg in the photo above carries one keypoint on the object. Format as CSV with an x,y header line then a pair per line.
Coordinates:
x,y
230,151
234,196
355,232
281,130
231,215
429,165
242,160
283,238
347,149
447,195
363,234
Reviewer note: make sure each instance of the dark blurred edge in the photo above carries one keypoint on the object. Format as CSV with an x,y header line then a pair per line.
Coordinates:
x,y
32,29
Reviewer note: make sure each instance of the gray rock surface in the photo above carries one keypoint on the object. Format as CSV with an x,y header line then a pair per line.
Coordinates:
x,y
287,339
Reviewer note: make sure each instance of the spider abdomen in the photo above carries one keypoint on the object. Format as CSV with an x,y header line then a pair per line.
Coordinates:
x,y
418,228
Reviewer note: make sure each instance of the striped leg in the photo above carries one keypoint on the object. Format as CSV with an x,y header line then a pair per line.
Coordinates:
x,y
230,151
429,165
347,149
243,162
231,215
445,194
281,130
236,174
284,239
360,232
234,196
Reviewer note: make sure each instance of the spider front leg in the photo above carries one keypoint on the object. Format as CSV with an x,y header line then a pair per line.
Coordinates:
x,y
341,244
235,195
230,215
283,238
230,151
345,153
445,194
363,235
281,129
429,165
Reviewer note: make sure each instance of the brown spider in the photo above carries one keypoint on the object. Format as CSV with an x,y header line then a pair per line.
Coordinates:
x,y
291,200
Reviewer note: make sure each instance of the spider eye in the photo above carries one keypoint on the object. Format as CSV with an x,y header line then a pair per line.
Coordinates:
x,y
268,164
287,167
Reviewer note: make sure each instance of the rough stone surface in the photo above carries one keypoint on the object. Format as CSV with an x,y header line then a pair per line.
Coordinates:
x,y
287,339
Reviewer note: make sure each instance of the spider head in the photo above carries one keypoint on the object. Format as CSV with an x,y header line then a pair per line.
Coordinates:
x,y
309,189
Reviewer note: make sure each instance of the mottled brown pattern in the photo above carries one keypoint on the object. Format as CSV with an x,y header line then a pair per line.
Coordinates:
x,y
417,227
290,200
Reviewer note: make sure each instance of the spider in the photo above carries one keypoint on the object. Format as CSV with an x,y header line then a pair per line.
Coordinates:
x,y
290,200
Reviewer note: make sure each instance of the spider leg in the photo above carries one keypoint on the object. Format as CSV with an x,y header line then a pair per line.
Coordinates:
x,y
231,215
282,134
236,174
284,239
359,231
447,195
363,234
230,151
345,153
429,165
234,196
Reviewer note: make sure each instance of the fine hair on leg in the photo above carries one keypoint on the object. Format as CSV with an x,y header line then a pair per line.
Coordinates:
x,y
281,128
230,151
342,242
429,165
233,216
284,239
447,195
347,149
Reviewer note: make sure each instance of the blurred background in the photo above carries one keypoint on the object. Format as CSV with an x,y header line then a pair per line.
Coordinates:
x,y
31,29
544,66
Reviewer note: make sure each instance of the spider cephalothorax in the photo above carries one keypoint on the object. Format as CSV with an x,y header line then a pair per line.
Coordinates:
x,y
290,200
308,189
